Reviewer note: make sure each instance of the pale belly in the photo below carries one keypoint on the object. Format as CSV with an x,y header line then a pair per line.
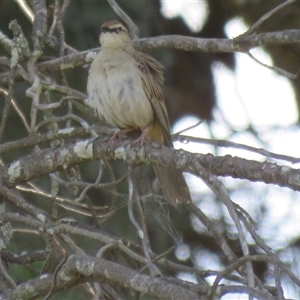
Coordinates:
x,y
116,92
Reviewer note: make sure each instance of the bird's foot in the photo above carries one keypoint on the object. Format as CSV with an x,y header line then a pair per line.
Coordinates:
x,y
120,134
143,137
140,140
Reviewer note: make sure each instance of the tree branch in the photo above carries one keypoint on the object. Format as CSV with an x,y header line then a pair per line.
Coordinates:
x,y
184,43
50,160
80,269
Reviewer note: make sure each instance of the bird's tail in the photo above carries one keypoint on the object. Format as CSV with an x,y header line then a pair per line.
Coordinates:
x,y
173,185
172,181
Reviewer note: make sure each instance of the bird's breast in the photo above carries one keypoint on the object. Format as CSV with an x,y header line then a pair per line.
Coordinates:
x,y
116,91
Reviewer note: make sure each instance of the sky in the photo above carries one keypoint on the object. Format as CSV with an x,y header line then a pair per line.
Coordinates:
x,y
253,95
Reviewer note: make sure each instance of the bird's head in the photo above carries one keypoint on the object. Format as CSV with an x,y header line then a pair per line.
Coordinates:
x,y
114,35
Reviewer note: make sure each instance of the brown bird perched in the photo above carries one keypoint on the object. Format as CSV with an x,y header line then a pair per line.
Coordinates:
x,y
125,88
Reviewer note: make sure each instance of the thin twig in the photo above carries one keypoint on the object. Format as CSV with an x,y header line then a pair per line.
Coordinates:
x,y
278,285
220,191
213,230
260,242
274,68
26,9
90,186
176,135
55,13
64,7
265,17
59,266
229,144
17,109
6,109
235,266
5,42
5,274
154,271
81,121
133,29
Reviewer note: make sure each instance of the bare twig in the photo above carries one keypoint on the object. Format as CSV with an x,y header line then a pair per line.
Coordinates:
x,y
238,289
229,144
20,47
179,133
275,69
34,92
51,86
133,29
90,186
55,274
6,109
35,139
220,191
154,271
4,273
17,109
55,14
269,251
5,42
265,17
39,24
81,121
213,230
26,9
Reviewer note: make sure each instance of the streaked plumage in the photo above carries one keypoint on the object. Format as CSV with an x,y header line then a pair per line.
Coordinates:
x,y
125,88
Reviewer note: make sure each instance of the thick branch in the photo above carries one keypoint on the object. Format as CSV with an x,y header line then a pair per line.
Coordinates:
x,y
36,139
241,43
50,160
80,269
40,19
185,43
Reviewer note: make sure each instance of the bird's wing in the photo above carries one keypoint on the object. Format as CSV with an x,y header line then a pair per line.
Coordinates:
x,y
152,78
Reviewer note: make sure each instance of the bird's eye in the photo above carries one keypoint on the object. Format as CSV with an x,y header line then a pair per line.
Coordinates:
x,y
120,29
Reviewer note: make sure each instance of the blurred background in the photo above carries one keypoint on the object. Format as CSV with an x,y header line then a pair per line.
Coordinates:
x,y
237,100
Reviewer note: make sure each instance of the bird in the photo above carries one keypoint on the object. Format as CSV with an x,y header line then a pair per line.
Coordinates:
x,y
125,89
